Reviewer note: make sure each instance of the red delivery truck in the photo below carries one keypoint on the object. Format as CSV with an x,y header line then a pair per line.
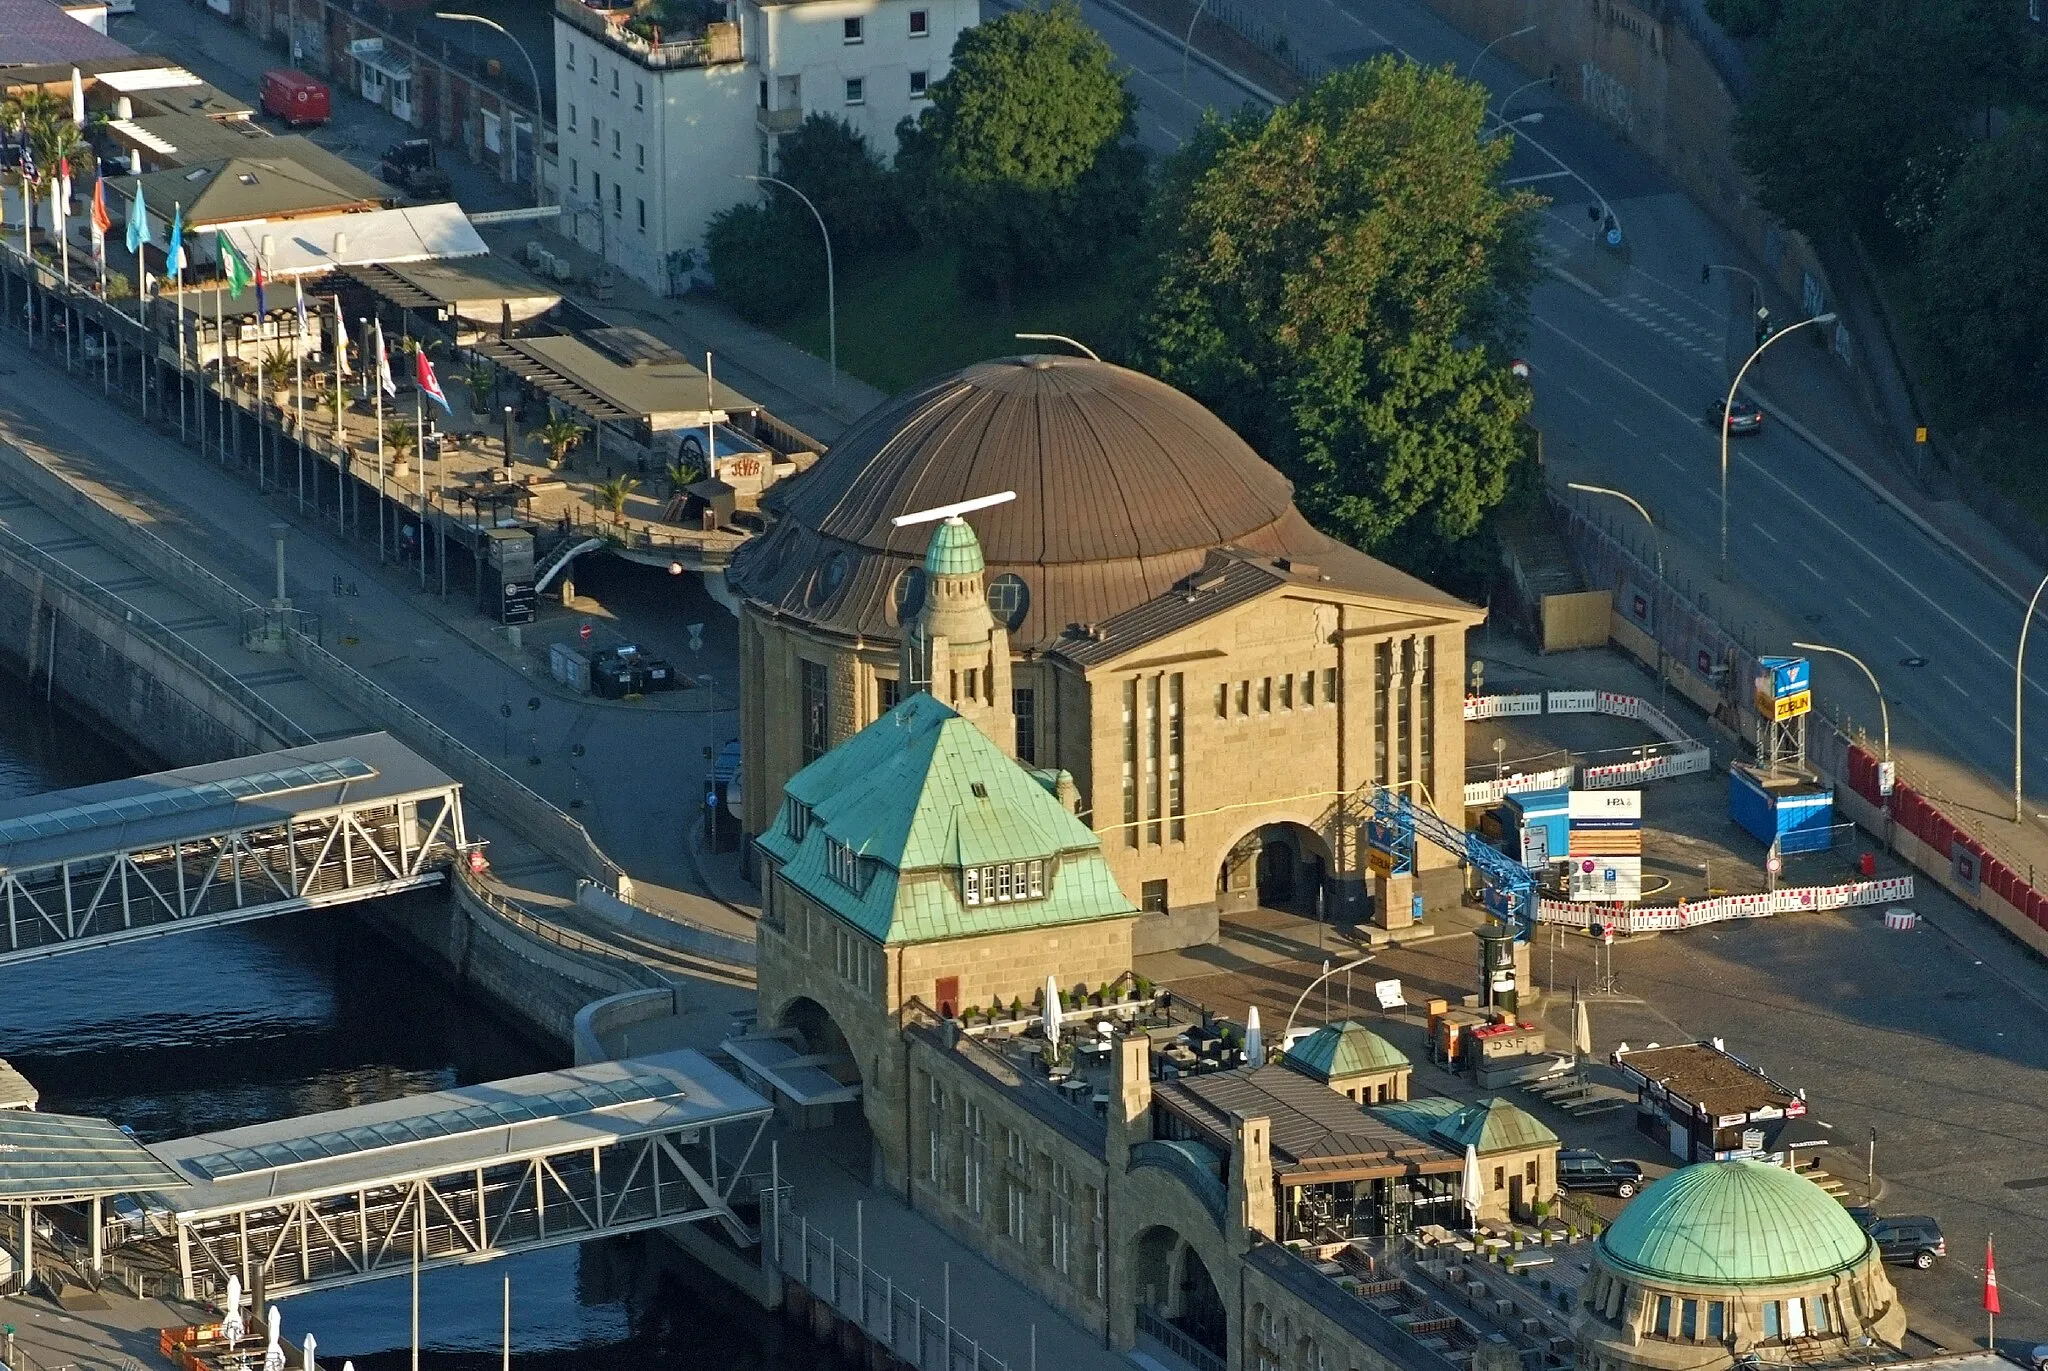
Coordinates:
x,y
295,97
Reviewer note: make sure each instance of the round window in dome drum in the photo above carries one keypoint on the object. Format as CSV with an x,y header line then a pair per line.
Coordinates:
x,y
908,594
1009,599
827,579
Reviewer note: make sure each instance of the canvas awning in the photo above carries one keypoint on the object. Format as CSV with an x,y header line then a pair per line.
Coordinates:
x,y
308,247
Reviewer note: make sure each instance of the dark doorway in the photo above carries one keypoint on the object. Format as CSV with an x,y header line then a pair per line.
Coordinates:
x,y
1276,874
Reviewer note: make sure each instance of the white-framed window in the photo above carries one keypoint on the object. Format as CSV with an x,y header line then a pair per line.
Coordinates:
x,y
615,80
1061,1229
920,23
853,30
1018,1149
572,118
618,145
974,1128
640,156
1017,1220
856,89
974,885
643,214
1003,883
1037,878
919,84
639,96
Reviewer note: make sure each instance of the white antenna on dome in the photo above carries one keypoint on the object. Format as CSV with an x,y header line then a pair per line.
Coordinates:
x,y
1074,343
951,513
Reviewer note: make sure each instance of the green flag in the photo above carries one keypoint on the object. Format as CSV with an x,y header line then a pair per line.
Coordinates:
x,y
235,268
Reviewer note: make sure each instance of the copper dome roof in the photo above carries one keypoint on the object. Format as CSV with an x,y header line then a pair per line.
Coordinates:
x,y
1123,485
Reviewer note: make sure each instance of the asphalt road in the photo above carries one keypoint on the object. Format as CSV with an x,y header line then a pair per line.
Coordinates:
x,y
1629,351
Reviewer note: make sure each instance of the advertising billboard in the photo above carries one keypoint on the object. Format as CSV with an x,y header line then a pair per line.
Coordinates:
x,y
1612,879
1784,688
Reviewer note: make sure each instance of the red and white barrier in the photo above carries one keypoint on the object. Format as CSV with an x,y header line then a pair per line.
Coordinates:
x,y
1688,756
1721,908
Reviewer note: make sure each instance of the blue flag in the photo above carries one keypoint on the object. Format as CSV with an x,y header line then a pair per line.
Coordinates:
x,y
138,222
28,157
174,255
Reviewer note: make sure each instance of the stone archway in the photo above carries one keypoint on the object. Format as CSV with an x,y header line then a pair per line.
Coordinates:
x,y
1280,865
1176,1294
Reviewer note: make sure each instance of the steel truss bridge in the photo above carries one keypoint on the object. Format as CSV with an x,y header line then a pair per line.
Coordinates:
x,y
464,1176
201,846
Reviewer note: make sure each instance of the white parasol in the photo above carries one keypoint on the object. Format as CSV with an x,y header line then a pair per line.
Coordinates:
x,y
1254,1040
1052,1010
232,1329
273,1355
1470,1187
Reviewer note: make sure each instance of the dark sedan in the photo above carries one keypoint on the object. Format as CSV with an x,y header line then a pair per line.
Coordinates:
x,y
1581,1170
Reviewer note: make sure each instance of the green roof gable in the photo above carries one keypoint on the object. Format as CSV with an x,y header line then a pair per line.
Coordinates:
x,y
918,796
1340,1050
1487,1127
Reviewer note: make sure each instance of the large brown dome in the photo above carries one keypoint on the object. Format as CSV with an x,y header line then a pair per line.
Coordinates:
x,y
1123,485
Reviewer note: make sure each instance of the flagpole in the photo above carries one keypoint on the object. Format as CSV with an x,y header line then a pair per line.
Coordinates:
x,y
377,389
220,342
419,430
299,393
340,403
260,425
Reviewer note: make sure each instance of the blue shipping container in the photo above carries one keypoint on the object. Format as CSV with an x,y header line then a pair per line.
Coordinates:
x,y
1799,820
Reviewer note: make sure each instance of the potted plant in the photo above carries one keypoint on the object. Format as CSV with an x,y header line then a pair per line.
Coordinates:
x,y
399,442
481,380
1016,1007
611,495
681,476
558,435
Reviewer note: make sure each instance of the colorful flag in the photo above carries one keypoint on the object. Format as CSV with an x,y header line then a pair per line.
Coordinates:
x,y
340,340
174,255
64,177
384,381
138,221
299,289
1990,1279
28,157
101,220
261,308
232,265
430,384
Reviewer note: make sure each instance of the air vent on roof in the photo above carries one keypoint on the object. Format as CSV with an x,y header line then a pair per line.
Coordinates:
x,y
247,178
1297,566
198,173
980,790
632,347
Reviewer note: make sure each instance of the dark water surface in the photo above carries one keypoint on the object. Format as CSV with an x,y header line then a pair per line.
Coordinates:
x,y
214,1029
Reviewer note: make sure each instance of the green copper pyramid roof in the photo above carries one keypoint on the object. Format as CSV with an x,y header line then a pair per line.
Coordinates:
x,y
918,796
1489,1126
1734,1223
1337,1050
954,550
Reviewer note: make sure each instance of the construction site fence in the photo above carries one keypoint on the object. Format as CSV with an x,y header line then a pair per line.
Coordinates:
x,y
1679,754
1721,908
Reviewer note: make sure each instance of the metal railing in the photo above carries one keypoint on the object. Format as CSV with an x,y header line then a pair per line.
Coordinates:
x,y
565,939
1154,1324
916,1334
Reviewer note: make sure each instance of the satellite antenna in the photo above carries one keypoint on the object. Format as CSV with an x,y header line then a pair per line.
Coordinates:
x,y
951,513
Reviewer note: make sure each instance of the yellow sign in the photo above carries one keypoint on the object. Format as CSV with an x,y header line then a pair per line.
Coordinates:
x,y
1791,707
1920,435
1379,862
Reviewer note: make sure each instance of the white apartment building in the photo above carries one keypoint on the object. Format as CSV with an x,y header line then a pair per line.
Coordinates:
x,y
656,136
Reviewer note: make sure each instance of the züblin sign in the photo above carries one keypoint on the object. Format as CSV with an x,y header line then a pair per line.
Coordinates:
x,y
1784,689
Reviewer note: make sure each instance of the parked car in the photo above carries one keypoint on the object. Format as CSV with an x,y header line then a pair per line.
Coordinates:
x,y
411,166
1914,1238
1581,1170
1865,1216
1745,420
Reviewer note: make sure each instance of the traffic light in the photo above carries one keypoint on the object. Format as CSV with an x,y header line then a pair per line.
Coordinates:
x,y
1706,273
1763,324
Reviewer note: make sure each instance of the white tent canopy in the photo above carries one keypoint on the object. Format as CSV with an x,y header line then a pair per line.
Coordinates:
x,y
309,247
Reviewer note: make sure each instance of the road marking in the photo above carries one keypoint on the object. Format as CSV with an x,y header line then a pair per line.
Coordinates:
x,y
1810,571
1672,462
1766,532
1858,608
1539,176
2003,724
1953,686
1910,652
1580,398
1625,428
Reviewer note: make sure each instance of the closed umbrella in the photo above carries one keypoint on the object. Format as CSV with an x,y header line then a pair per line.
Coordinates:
x,y
232,1329
311,1343
1254,1041
1582,1028
1470,1186
1052,1010
273,1355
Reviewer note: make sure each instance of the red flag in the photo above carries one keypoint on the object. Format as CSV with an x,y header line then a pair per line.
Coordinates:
x,y
101,220
1990,1280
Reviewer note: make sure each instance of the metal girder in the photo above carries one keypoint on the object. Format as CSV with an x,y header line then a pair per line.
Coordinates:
x,y
319,858
1511,889
469,1214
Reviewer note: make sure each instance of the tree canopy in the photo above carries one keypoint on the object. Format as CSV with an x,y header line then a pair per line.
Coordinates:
x,y
1022,157
1340,282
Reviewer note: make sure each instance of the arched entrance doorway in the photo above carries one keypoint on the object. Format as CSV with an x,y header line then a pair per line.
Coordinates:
x,y
1280,866
1177,1299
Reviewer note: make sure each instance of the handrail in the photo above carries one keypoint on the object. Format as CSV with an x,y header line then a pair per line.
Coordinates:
x,y
566,939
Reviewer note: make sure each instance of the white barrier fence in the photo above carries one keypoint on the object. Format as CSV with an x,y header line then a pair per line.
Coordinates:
x,y
1720,908
1687,757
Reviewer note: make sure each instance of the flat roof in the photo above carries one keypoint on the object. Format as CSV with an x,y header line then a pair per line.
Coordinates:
x,y
1710,1078
52,1157
33,31
805,1077
478,284
165,806
489,1124
16,1090
618,373
1318,1135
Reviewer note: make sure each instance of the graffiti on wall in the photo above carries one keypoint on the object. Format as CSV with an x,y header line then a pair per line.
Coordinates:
x,y
1607,97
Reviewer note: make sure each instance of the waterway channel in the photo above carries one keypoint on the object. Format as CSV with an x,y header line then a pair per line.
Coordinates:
x,y
231,1026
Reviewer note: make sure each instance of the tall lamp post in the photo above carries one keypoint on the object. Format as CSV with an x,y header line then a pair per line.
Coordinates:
x,y
2019,679
459,17
1473,65
1726,409
1348,966
1501,110
1883,710
1186,46
831,290
1656,542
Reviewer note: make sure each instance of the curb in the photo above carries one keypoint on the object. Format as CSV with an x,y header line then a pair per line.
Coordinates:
x,y
1136,20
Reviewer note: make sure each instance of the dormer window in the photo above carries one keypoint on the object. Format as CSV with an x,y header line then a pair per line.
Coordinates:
x,y
1003,883
798,822
841,864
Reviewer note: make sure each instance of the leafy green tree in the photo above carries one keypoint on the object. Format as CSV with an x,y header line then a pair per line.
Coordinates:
x,y
47,121
1982,307
1744,18
762,261
1022,157
1340,282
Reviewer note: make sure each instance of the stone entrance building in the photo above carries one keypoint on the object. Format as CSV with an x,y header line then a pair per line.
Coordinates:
x,y
1151,615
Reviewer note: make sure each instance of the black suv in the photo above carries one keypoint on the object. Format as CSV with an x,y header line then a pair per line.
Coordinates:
x,y
1581,1170
1914,1238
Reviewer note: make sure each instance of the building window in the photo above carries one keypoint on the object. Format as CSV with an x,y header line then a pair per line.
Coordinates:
x,y
813,710
571,50
1000,883
1131,763
1795,1318
1308,690
841,864
1035,877
618,202
1176,801
851,959
935,1133
574,180
572,118
1661,1326
1062,1226
890,691
1151,740
643,214
1024,704
1717,1320
1404,714
974,1152
1244,698
1019,1210
1425,703
618,146
597,189
1817,1313
919,81
798,822
856,89
972,884
1095,1238
640,156
920,23
1772,1328
639,96
1265,695
1382,681
1287,691
1152,897
615,80
854,30
596,130
1500,1178
1223,701
593,69
1689,1320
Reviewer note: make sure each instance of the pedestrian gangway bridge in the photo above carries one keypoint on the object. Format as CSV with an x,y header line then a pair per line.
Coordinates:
x,y
304,828
451,1178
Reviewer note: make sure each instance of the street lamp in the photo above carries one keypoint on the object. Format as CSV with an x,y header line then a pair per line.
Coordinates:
x,y
1502,108
1474,65
1656,542
1883,710
1726,418
1760,310
1503,125
831,291
1186,44
1348,966
2019,675
459,17
1062,338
